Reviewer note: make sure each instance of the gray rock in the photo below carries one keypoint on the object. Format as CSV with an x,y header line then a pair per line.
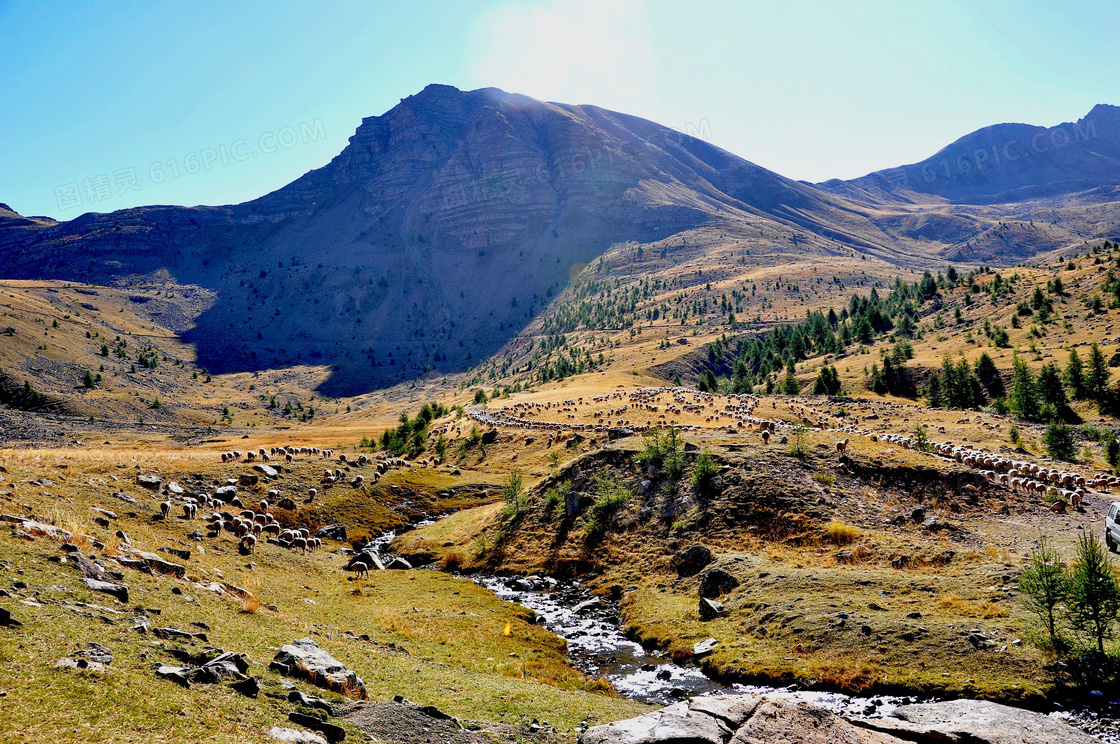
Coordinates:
x,y
715,582
691,561
975,722
710,609
150,482
329,730
124,497
398,564
178,675
266,470
39,529
292,736
120,591
304,658
248,687
307,701
619,432
175,489
702,648
225,493
332,531
248,479
7,621
676,723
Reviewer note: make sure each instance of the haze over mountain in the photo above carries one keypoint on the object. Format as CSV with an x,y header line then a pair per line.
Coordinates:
x,y
449,222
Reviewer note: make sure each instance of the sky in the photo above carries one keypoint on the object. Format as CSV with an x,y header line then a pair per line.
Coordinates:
x,y
108,105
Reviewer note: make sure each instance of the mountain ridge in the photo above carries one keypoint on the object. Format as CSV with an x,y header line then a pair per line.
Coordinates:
x,y
449,222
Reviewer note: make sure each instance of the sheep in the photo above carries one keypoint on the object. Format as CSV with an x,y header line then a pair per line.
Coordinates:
x,y
841,446
165,508
189,511
247,544
312,493
264,505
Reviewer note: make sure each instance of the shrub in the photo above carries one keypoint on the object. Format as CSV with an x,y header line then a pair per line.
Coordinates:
x,y
513,492
556,499
704,470
664,451
611,495
839,533
1059,441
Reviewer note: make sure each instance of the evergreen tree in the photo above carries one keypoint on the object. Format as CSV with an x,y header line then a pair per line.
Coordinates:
x,y
1075,376
1050,387
791,386
1096,375
1060,442
1044,583
1024,394
1094,596
989,376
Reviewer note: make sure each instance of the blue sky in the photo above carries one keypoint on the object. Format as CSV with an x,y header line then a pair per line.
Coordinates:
x,y
123,103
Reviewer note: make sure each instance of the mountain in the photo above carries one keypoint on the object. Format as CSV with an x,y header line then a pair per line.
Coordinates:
x,y
440,230
450,222
1005,163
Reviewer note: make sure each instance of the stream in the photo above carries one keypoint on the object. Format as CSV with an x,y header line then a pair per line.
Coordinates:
x,y
598,647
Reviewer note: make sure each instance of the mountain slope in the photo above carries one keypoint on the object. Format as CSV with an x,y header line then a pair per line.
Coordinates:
x,y
1005,163
440,230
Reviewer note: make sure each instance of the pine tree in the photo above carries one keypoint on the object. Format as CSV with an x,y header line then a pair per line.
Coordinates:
x,y
1094,597
1075,376
1097,374
1024,395
1050,387
1044,583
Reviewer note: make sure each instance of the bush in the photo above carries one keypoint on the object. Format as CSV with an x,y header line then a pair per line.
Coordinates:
x,y
1060,442
611,495
704,470
556,499
839,533
513,492
664,451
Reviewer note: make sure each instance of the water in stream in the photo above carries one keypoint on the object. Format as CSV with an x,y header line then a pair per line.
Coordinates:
x,y
598,647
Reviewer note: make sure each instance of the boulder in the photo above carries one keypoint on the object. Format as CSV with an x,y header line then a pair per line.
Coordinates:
x,y
710,609
39,529
120,591
304,659
490,436
175,489
293,736
248,687
332,732
225,493
248,479
307,701
266,470
705,647
715,582
974,722
7,621
332,531
619,432
398,564
691,561
177,552
86,567
150,482
178,675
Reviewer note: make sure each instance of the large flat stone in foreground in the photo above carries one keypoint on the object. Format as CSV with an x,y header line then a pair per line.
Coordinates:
x,y
748,719
976,722
304,659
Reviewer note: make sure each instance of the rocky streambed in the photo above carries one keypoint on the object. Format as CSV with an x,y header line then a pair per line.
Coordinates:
x,y
597,646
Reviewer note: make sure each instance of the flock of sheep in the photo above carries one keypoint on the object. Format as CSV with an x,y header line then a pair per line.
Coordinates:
x,y
660,407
